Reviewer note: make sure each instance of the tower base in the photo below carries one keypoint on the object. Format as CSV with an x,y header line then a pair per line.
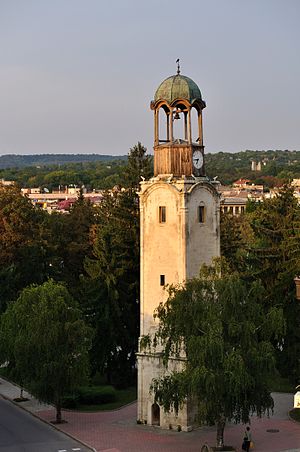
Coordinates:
x,y
150,366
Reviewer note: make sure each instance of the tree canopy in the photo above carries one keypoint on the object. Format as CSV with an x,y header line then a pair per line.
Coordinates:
x,y
264,245
46,342
114,270
21,248
220,326
103,172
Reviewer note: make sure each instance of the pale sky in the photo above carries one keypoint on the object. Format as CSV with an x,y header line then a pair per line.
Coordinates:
x,y
77,76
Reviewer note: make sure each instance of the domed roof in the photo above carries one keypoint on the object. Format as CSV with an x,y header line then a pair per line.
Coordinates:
x,y
178,87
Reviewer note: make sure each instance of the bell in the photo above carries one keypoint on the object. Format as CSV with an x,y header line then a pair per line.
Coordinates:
x,y
176,116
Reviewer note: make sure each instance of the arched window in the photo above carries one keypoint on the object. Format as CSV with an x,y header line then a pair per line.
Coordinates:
x,y
201,214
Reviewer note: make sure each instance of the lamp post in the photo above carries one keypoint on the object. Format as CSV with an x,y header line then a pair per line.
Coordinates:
x,y
297,398
297,283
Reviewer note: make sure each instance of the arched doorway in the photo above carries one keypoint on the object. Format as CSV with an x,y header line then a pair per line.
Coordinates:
x,y
155,411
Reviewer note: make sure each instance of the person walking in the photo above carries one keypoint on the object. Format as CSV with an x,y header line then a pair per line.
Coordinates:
x,y
247,439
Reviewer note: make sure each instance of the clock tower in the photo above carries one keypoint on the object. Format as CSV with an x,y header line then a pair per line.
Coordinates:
x,y
180,230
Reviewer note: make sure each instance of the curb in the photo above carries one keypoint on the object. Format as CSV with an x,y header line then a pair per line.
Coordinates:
x,y
34,414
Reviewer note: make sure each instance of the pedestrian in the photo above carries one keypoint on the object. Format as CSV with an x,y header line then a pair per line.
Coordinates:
x,y
247,439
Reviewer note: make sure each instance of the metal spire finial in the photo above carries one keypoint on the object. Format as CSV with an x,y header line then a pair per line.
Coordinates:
x,y
178,66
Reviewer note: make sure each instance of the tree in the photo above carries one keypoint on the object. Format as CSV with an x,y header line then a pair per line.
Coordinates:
x,y
114,270
272,256
21,248
46,342
236,234
139,164
219,324
264,245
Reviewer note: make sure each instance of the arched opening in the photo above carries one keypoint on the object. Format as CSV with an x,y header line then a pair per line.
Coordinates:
x,y
195,126
163,124
180,122
196,123
155,412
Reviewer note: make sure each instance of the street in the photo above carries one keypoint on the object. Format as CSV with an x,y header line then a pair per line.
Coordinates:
x,y
22,432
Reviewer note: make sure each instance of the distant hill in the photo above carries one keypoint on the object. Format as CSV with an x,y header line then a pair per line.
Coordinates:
x,y
270,168
275,166
20,161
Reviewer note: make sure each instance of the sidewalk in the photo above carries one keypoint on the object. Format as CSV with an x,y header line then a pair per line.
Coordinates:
x,y
117,431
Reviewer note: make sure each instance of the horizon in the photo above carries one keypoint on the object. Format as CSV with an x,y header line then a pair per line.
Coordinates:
x,y
125,155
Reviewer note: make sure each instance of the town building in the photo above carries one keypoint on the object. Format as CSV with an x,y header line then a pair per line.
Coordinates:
x,y
6,183
180,228
60,200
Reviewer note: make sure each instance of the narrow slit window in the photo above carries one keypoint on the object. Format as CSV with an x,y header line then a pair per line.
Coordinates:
x,y
201,214
162,214
162,280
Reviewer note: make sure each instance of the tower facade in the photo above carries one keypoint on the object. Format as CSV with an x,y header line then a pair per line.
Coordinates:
x,y
179,211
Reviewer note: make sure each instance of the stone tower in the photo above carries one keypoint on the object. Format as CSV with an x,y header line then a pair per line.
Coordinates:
x,y
179,210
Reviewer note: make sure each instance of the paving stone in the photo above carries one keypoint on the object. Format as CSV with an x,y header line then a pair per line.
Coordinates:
x,y
117,431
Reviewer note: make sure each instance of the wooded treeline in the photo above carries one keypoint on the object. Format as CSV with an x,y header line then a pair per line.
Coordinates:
x,y
90,259
103,172
20,161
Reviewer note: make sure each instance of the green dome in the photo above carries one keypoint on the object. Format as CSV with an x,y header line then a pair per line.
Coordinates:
x,y
177,87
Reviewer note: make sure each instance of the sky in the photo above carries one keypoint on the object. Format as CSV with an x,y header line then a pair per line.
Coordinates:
x,y
77,76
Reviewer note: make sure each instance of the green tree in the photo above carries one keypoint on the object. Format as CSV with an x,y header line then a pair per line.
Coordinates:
x,y
21,248
236,234
46,342
139,164
79,222
66,242
273,258
114,270
222,329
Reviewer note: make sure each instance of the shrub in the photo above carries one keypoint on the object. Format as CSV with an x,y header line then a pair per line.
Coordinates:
x,y
70,401
98,379
95,395
295,414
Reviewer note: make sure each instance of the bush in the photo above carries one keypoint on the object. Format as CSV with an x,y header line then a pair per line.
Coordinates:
x,y
295,414
70,401
95,395
98,379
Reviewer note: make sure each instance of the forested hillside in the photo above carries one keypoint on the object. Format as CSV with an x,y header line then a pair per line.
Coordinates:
x,y
93,175
282,165
102,171
19,161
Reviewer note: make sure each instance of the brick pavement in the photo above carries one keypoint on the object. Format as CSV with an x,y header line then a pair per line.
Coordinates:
x,y
117,431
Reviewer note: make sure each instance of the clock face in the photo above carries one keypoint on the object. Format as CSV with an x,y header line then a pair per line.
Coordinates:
x,y
197,159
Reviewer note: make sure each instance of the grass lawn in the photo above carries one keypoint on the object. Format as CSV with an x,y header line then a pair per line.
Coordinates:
x,y
124,396
295,414
280,384
4,372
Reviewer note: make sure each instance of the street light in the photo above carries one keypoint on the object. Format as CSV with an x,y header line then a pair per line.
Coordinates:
x,y
297,283
297,398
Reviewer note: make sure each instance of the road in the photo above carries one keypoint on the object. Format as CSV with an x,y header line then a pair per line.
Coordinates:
x,y
22,432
